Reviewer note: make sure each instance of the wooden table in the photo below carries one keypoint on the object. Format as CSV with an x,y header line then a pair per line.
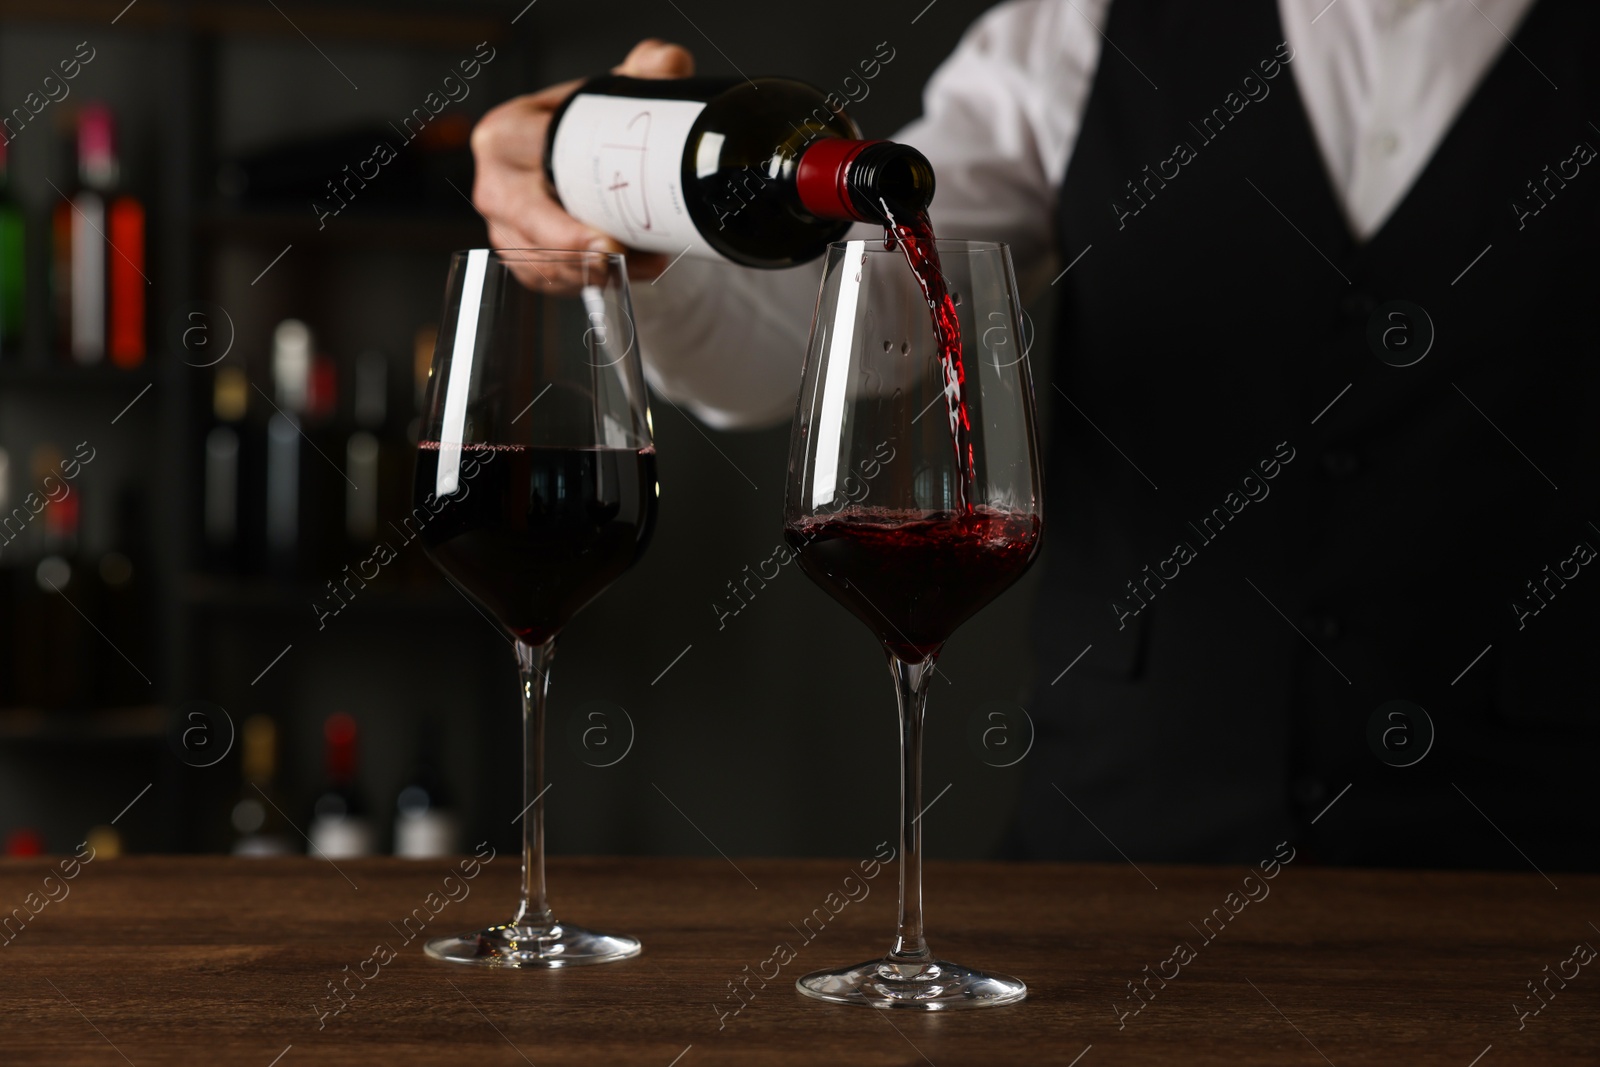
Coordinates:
x,y
215,960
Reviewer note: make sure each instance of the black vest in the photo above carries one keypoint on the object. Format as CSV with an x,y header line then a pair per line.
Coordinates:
x,y
1262,531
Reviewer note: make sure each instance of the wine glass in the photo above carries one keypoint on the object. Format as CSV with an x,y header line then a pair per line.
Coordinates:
x,y
535,489
913,499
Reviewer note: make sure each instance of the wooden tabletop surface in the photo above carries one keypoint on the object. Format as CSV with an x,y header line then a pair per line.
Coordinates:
x,y
152,960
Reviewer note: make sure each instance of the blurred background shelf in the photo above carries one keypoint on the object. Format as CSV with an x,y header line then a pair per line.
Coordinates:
x,y
95,725
206,92
400,21
202,92
37,370
213,594
441,232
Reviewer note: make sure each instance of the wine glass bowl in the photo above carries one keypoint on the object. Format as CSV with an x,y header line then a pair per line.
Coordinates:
x,y
876,488
914,499
535,489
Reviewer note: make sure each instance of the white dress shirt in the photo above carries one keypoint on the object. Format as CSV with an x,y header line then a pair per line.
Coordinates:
x,y
1382,81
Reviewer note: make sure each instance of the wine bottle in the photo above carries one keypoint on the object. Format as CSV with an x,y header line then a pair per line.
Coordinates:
x,y
339,824
78,227
124,282
123,589
24,841
55,641
257,817
12,253
291,375
104,841
230,401
323,483
125,230
765,173
99,245
364,455
425,823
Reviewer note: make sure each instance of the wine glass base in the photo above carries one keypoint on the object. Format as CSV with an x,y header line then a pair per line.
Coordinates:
x,y
936,985
556,945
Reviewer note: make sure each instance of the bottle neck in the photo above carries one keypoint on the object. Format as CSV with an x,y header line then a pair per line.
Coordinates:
x,y
97,158
340,734
260,755
863,181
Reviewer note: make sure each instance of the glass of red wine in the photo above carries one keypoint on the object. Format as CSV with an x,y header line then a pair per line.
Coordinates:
x,y
535,489
913,500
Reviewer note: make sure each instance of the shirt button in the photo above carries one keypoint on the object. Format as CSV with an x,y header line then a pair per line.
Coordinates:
x,y
1386,143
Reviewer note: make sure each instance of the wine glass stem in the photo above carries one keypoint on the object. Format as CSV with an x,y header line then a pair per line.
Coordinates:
x,y
911,690
533,665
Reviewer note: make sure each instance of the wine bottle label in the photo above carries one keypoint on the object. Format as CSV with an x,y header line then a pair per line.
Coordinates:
x,y
88,278
618,166
341,837
426,834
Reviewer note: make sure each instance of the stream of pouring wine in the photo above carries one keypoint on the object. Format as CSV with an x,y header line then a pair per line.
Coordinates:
x,y
915,238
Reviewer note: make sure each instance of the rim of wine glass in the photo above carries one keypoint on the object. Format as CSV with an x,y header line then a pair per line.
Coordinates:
x,y
528,254
944,245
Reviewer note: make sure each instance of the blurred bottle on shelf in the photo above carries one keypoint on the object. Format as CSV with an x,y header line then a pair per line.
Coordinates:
x,y
19,539
225,462
54,650
105,842
291,377
370,408
257,817
425,823
12,263
324,476
24,841
339,826
322,390
125,231
365,457
305,486
124,609
98,244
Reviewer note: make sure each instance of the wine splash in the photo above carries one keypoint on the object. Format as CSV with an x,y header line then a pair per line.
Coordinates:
x,y
913,232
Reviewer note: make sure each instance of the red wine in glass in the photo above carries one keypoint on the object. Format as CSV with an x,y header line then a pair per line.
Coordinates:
x,y
538,532
914,577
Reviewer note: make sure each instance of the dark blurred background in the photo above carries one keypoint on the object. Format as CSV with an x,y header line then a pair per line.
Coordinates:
x,y
139,637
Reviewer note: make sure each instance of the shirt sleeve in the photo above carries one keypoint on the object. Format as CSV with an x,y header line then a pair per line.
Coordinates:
x,y
1000,116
